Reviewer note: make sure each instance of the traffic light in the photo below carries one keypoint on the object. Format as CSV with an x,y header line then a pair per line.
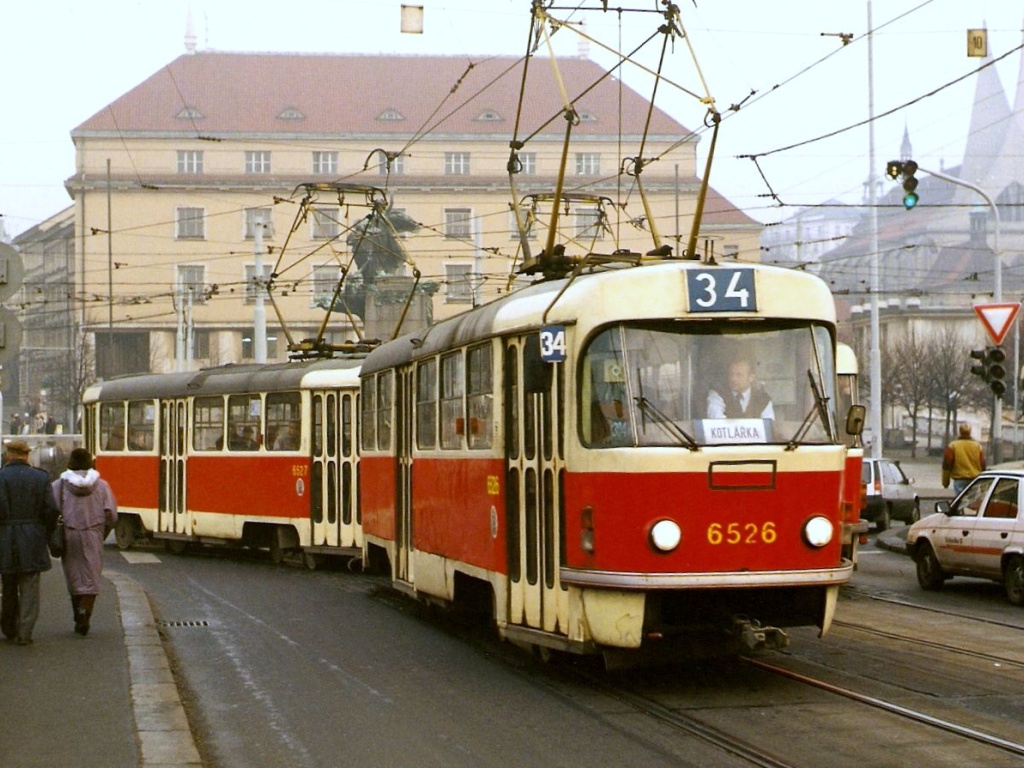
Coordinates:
x,y
994,360
910,197
991,368
905,168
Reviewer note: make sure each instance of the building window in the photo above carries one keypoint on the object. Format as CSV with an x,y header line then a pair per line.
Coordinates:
x,y
190,282
459,279
456,163
190,223
257,161
588,163
397,164
190,161
251,288
325,162
458,224
527,219
325,281
254,217
120,353
201,345
589,224
326,223
528,163
248,348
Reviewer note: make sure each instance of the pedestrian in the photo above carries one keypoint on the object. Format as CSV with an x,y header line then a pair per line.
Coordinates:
x,y
962,460
89,509
27,517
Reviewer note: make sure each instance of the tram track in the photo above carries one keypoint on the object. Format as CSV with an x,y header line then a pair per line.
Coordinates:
x,y
971,734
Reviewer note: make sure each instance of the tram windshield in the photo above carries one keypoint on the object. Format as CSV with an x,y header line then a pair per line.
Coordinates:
x,y
693,384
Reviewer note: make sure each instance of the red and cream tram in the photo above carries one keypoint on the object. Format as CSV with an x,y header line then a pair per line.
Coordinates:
x,y
571,458
258,455
854,492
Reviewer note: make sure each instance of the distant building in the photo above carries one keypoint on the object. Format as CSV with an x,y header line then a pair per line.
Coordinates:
x,y
193,157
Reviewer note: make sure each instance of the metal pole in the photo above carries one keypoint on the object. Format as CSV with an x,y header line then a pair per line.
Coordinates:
x,y
259,312
876,352
997,295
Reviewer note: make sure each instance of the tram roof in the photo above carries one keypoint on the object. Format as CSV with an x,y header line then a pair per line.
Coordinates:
x,y
594,299
227,379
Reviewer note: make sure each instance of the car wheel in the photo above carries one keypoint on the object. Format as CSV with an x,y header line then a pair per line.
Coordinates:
x,y
1014,580
915,511
929,573
884,519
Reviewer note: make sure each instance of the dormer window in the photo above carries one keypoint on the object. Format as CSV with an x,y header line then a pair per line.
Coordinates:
x,y
291,113
189,113
586,116
391,114
489,116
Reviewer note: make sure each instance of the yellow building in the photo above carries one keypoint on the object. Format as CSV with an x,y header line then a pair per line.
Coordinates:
x,y
172,177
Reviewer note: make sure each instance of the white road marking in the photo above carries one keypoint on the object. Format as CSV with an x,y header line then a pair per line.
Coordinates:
x,y
140,558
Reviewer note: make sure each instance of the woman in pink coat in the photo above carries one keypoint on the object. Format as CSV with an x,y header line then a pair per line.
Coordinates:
x,y
89,510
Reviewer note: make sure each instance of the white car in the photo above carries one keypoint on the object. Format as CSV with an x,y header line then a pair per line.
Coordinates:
x,y
979,533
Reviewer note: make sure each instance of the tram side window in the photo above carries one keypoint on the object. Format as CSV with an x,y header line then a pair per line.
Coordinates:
x,y
452,413
368,413
479,396
384,402
284,421
141,420
208,424
426,404
112,426
244,422
606,417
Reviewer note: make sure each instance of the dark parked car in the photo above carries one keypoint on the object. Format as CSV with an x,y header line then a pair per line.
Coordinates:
x,y
889,494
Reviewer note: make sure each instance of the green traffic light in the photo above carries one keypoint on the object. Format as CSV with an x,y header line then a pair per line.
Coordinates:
x,y
910,200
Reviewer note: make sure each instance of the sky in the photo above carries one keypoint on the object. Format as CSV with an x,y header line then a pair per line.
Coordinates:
x,y
783,63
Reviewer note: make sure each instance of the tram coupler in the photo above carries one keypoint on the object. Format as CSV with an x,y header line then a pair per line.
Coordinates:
x,y
756,637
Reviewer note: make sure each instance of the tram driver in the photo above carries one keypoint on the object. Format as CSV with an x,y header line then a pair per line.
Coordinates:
x,y
743,397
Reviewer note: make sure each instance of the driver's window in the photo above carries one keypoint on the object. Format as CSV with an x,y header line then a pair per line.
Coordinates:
x,y
1003,502
971,500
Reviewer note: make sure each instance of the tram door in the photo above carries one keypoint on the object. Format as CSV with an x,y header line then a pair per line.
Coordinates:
x,y
533,486
334,509
404,394
173,429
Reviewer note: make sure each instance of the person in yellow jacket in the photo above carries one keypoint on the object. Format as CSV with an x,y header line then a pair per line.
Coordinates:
x,y
962,460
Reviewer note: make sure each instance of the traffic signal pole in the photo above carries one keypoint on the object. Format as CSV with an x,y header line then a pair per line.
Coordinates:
x,y
997,295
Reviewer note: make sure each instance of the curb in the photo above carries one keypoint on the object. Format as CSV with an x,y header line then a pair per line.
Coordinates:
x,y
165,738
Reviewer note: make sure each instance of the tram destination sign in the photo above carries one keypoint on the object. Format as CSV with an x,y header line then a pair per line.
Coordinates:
x,y
721,290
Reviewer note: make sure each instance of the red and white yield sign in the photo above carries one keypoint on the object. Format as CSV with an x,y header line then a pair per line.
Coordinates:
x,y
997,318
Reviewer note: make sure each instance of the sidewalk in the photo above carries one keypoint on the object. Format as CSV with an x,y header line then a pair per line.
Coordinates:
x,y
102,701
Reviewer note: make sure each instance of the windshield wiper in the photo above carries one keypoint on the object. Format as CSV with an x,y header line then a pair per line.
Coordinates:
x,y
663,421
819,409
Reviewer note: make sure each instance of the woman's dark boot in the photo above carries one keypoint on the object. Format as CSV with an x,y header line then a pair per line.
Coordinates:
x,y
83,613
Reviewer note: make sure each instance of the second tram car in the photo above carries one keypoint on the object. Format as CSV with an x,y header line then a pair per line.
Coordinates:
x,y
854,493
258,455
617,460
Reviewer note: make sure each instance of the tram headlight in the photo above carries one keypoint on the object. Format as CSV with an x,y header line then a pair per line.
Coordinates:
x,y
665,535
818,531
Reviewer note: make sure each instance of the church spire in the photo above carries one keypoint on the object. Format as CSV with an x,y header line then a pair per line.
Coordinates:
x,y
906,150
190,35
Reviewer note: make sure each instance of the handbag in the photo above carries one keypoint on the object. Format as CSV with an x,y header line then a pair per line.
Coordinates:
x,y
56,540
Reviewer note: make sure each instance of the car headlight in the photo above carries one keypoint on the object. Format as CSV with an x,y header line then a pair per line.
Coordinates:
x,y
665,535
818,531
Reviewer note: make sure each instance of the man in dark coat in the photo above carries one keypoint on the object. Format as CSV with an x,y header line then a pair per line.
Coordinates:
x,y
27,516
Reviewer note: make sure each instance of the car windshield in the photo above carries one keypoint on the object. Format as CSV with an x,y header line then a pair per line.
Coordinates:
x,y
695,383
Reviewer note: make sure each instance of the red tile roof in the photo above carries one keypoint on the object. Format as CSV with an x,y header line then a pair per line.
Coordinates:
x,y
346,94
